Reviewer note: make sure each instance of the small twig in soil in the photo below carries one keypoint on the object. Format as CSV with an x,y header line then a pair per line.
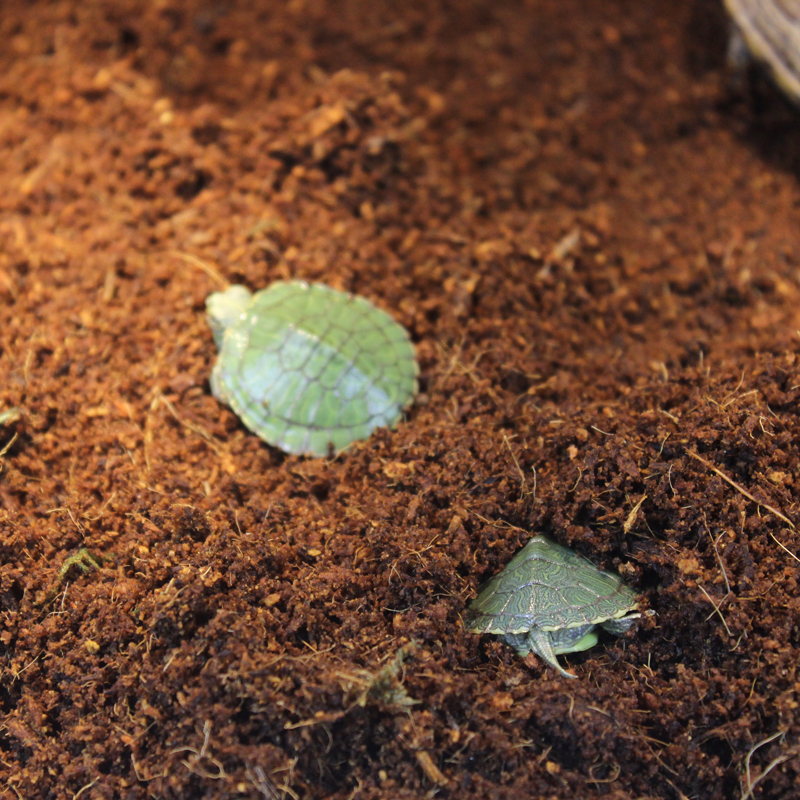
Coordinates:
x,y
264,783
719,558
498,523
417,553
605,433
653,752
718,606
725,403
312,655
7,447
783,546
731,397
192,762
435,775
456,364
669,479
16,675
632,516
202,432
521,473
564,247
680,794
749,788
205,266
65,508
716,609
751,498
83,789
102,509
141,775
671,416
660,366
740,489
614,768
286,785
761,420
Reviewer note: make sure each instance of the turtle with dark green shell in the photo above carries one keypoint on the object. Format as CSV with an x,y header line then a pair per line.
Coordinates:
x,y
307,368
549,600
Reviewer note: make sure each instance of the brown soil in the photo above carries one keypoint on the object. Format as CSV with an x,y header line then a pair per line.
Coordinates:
x,y
593,239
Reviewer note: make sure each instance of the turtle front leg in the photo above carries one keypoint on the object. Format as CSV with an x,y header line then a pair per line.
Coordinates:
x,y
541,643
618,626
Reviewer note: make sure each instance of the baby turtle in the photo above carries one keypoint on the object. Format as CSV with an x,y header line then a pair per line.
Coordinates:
x,y
307,368
548,600
769,31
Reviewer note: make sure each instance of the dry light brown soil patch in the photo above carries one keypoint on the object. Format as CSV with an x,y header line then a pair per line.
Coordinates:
x,y
592,236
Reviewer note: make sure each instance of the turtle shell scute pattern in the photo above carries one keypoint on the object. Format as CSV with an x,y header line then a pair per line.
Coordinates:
x,y
550,587
310,369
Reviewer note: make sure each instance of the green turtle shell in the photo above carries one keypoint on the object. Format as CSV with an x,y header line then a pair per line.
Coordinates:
x,y
307,368
550,587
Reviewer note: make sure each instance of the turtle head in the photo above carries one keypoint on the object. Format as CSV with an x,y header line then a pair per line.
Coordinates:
x,y
224,309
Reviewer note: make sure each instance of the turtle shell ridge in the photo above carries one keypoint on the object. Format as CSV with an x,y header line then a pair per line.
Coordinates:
x,y
550,587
